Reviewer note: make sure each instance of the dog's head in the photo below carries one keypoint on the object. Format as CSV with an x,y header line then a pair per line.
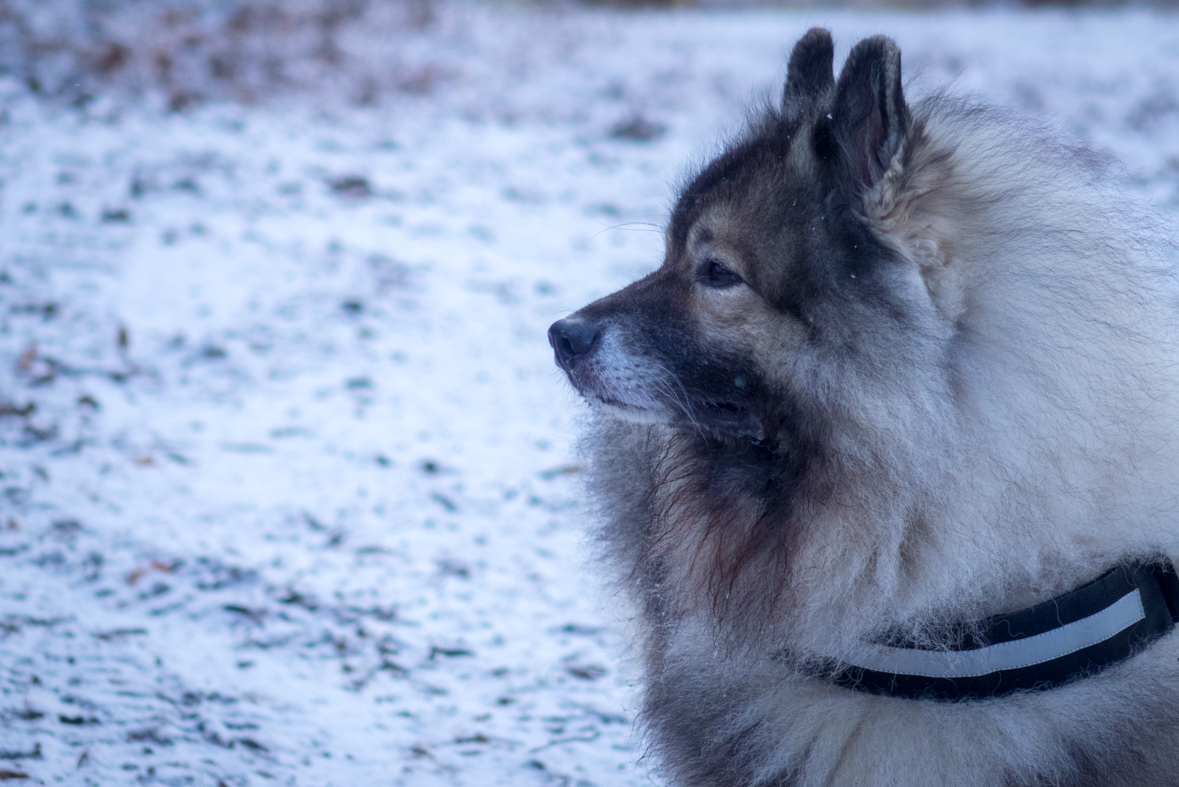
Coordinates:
x,y
770,254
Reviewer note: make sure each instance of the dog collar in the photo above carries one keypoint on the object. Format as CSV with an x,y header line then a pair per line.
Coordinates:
x,y
1072,636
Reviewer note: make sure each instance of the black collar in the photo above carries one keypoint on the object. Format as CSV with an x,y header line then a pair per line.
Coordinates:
x,y
1072,636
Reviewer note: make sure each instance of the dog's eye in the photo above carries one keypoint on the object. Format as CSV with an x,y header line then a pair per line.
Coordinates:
x,y
713,273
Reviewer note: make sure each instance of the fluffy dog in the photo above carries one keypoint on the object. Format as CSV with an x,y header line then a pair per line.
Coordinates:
x,y
903,388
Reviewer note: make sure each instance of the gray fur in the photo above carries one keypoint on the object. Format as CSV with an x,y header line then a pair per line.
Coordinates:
x,y
903,366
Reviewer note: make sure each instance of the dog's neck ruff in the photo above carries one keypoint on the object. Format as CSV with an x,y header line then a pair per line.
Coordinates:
x,y
1072,636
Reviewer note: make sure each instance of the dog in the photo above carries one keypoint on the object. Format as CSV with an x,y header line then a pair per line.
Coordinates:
x,y
886,451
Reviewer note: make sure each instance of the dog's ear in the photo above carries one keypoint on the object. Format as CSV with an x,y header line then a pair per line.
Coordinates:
x,y
810,73
869,120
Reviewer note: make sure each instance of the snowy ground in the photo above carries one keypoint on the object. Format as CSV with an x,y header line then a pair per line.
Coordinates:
x,y
289,489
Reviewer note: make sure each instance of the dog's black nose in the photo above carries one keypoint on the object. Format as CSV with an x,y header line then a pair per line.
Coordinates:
x,y
571,338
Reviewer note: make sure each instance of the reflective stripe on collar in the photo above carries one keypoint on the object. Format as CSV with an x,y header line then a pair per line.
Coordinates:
x,y
1017,654
1060,640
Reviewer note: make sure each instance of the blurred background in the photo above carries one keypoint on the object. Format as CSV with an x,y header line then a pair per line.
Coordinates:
x,y
246,50
289,484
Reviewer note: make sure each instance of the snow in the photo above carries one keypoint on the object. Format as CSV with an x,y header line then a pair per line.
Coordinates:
x,y
298,499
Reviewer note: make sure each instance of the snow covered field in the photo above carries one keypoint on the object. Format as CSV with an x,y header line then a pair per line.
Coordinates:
x,y
289,484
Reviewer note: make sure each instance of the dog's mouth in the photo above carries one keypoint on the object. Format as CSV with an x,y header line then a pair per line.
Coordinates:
x,y
627,411
617,404
632,391
726,410
700,415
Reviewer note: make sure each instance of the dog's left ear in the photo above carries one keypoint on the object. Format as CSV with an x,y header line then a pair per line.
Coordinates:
x,y
869,120
809,75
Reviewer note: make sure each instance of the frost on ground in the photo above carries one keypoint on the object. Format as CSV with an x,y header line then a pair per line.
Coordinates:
x,y
289,487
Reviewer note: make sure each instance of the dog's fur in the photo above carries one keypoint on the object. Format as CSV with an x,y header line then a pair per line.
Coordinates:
x,y
902,366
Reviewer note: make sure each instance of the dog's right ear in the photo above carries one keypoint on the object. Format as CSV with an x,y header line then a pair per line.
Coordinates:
x,y
870,119
810,73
